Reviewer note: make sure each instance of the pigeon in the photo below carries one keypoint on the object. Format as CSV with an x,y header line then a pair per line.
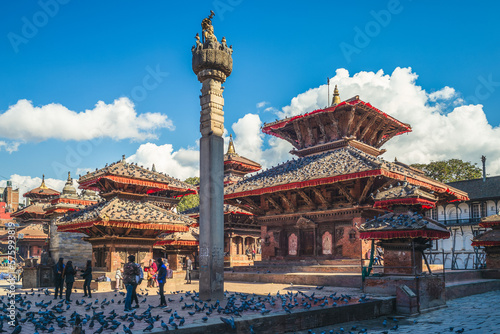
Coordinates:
x,y
229,322
148,329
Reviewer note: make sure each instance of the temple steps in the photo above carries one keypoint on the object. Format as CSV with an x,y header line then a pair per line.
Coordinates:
x,y
352,280
470,287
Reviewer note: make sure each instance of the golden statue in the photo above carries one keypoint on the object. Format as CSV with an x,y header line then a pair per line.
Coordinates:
x,y
208,29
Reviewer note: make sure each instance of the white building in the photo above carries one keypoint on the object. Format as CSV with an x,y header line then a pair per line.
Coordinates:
x,y
462,219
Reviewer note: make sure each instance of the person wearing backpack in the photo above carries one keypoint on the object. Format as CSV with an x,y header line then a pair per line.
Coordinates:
x,y
130,272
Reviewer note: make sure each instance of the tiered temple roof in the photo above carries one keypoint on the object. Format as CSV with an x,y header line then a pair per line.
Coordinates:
x,y
236,166
123,177
123,214
70,200
334,166
188,238
489,238
411,225
41,193
354,121
404,194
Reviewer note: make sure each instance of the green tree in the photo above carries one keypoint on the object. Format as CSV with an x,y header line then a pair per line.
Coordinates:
x,y
189,201
450,170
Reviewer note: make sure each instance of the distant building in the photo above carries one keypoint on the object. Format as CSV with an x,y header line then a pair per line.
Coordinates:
x,y
10,197
462,219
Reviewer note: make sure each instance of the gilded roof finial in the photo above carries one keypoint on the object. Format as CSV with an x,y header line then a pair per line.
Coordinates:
x,y
336,96
153,168
43,186
69,176
230,149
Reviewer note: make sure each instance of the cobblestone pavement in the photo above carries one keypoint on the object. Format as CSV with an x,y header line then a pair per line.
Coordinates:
x,y
474,314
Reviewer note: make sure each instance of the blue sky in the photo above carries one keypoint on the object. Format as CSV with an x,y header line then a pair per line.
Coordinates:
x,y
82,52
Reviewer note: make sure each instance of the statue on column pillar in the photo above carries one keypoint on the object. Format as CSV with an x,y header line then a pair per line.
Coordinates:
x,y
212,63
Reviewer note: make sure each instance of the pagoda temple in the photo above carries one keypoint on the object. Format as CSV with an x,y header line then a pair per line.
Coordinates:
x,y
32,233
490,240
311,207
71,246
241,230
136,209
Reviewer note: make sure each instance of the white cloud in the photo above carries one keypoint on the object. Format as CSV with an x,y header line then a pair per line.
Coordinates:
x,y
181,164
9,146
445,93
438,133
118,120
262,104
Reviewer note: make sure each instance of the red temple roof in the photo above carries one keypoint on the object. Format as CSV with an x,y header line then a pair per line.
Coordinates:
x,y
363,122
126,214
402,226
125,173
346,163
42,191
490,221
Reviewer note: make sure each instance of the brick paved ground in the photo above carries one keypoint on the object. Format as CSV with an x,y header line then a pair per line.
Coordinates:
x,y
476,314
150,297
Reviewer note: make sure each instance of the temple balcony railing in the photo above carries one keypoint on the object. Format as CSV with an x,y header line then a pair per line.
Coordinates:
x,y
461,222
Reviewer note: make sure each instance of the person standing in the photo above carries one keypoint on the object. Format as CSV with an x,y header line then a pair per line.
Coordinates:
x,y
154,269
58,277
87,276
189,268
119,279
162,278
69,276
130,271
138,280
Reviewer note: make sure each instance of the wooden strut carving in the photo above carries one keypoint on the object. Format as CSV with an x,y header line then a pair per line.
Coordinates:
x,y
286,202
274,203
320,197
349,121
298,133
307,125
367,187
368,127
252,204
306,198
345,192
359,122
321,127
335,126
373,136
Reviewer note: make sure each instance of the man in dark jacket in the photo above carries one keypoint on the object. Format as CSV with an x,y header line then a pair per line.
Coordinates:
x,y
162,278
130,271
58,277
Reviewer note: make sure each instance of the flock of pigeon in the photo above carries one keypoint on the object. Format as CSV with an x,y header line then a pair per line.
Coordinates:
x,y
341,161
38,312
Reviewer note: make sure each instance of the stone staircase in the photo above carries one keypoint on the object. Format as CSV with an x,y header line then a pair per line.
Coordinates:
x,y
342,273
463,283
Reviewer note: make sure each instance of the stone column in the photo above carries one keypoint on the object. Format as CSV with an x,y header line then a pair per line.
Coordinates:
x,y
212,63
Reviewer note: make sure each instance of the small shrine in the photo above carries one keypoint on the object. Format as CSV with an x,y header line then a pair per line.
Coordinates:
x,y
490,240
177,246
404,233
137,208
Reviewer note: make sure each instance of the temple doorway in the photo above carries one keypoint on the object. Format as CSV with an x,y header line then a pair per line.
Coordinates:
x,y
307,242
